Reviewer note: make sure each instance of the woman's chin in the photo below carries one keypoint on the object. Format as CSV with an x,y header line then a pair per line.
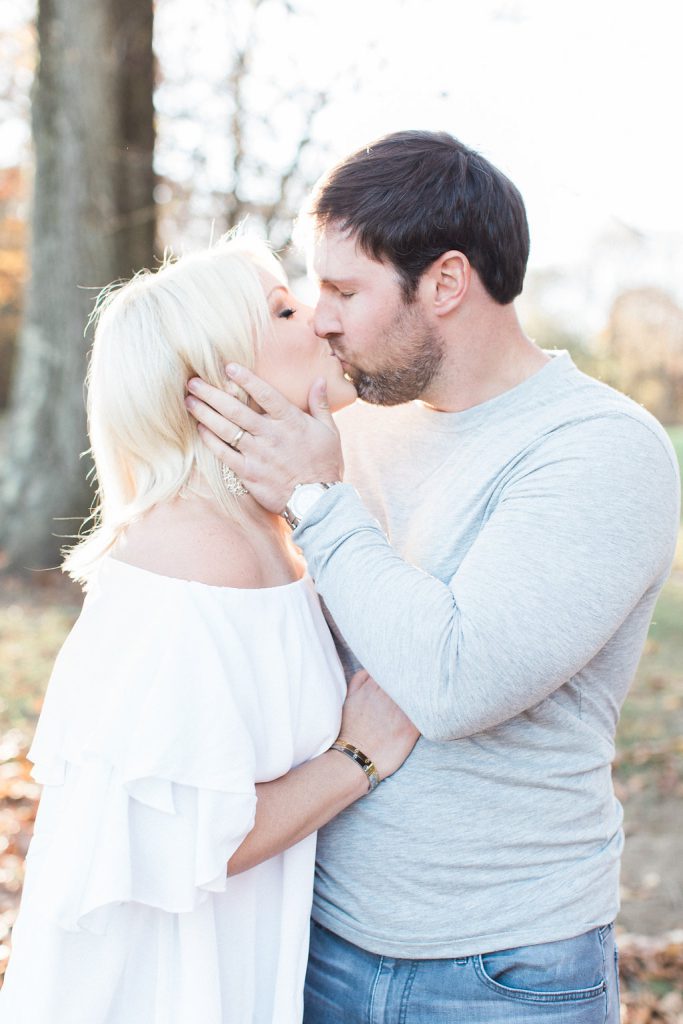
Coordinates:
x,y
340,393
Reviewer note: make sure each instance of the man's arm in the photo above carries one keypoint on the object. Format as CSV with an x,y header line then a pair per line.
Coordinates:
x,y
583,527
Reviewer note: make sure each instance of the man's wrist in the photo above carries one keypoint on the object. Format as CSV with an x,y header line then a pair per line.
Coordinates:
x,y
302,500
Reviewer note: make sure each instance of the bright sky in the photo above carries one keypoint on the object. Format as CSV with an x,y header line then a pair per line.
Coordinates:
x,y
579,102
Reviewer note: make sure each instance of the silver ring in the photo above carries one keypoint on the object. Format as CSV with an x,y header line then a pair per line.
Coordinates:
x,y
236,440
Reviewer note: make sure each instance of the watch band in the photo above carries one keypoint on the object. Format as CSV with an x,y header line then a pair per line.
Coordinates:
x,y
368,766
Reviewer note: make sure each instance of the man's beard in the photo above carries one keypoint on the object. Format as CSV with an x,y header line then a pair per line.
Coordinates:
x,y
417,353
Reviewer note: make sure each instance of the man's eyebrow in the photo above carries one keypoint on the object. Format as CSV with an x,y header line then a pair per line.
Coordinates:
x,y
337,281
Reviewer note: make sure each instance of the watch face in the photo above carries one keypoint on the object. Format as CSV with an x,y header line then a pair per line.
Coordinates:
x,y
304,497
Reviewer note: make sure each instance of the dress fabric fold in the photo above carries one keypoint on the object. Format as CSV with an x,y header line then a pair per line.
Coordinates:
x,y
168,702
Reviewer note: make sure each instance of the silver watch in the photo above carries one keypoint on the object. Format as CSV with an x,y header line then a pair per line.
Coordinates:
x,y
302,500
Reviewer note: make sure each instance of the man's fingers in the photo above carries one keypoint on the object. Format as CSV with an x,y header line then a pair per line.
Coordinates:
x,y
204,396
224,430
228,456
270,400
318,403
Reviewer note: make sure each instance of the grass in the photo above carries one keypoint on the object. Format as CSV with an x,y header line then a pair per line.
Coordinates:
x,y
33,623
676,435
649,744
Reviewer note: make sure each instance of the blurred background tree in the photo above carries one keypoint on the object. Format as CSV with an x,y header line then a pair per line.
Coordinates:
x,y
92,221
641,350
13,268
240,142
17,59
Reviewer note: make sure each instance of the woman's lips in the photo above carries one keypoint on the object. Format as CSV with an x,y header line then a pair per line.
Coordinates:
x,y
346,367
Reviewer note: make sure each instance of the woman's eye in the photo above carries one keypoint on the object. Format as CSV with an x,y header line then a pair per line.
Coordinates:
x,y
286,313
347,295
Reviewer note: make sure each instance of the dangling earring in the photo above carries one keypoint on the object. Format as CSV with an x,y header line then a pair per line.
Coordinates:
x,y
233,482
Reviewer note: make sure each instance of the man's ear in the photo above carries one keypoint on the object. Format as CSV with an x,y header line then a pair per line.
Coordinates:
x,y
448,280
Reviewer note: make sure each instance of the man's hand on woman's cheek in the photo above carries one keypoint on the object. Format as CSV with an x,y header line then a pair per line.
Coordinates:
x,y
270,451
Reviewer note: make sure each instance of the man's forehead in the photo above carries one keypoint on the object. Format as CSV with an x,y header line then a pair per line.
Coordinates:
x,y
338,257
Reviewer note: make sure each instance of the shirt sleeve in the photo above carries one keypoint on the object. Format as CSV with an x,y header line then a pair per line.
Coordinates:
x,y
147,761
582,528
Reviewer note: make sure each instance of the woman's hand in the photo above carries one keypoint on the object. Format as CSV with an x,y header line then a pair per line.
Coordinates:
x,y
376,725
310,795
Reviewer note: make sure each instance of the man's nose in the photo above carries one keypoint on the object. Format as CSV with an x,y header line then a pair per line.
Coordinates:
x,y
325,322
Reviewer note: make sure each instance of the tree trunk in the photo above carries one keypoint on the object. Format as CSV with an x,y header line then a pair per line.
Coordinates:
x,y
92,222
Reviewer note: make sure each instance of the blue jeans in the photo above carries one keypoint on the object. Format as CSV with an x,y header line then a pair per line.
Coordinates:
x,y
573,981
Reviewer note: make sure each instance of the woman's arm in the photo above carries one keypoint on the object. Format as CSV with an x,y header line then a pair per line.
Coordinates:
x,y
302,801
290,808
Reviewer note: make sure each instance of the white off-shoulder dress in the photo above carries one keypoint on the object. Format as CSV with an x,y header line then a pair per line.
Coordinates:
x,y
168,702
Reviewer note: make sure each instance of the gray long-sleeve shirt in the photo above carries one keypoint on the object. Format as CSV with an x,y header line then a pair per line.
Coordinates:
x,y
496,576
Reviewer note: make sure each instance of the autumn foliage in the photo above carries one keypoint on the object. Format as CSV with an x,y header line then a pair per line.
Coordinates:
x,y
13,267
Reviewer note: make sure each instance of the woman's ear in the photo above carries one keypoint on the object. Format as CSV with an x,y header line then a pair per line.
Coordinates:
x,y
449,277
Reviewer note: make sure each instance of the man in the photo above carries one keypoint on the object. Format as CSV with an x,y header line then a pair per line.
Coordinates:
x,y
492,559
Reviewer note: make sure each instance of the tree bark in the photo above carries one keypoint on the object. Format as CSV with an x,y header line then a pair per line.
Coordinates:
x,y
92,222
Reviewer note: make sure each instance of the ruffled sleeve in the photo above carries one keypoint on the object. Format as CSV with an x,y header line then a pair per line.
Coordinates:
x,y
146,750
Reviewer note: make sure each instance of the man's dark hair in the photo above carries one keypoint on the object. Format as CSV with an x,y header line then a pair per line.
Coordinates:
x,y
413,195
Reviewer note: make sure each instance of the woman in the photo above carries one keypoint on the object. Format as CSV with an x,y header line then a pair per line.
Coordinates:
x,y
184,744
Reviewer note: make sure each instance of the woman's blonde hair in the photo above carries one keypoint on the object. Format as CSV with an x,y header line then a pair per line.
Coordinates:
x,y
188,318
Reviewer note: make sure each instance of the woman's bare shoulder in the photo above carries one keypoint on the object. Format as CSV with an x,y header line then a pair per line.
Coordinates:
x,y
185,545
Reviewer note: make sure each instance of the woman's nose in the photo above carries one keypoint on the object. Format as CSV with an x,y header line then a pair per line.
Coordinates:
x,y
308,315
